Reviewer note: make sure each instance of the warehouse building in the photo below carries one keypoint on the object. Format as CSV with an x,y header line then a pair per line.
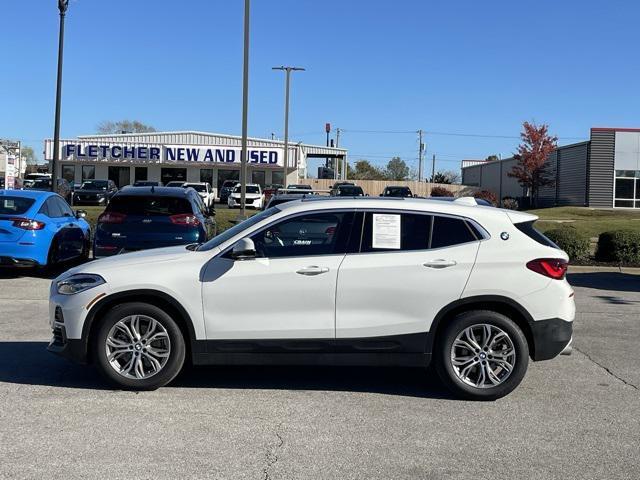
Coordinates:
x,y
603,172
182,156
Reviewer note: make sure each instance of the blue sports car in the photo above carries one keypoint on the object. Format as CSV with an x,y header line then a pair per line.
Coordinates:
x,y
39,229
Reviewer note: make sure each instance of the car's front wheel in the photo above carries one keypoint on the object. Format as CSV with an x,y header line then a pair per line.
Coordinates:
x,y
482,355
139,346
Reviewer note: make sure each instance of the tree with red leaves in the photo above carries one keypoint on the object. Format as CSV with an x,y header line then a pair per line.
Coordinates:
x,y
532,170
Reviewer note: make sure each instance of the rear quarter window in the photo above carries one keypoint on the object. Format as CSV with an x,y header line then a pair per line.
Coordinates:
x,y
530,231
448,231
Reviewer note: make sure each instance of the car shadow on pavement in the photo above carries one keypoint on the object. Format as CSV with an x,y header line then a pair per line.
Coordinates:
x,y
29,363
613,281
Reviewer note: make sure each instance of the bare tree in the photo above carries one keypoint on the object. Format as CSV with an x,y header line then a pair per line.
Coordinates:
x,y
123,126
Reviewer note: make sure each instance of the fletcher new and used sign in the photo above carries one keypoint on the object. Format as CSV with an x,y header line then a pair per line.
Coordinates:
x,y
265,156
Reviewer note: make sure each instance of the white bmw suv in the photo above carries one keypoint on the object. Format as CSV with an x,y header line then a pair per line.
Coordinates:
x,y
371,281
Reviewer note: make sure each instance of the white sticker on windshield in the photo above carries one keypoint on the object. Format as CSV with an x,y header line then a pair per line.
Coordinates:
x,y
386,231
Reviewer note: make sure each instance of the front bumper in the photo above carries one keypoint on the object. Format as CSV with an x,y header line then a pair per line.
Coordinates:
x,y
13,262
71,349
550,337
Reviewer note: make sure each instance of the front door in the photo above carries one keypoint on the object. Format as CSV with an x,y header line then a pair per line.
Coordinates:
x,y
287,291
121,176
410,265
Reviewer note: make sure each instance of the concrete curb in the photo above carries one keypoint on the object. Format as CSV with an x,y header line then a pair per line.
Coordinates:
x,y
597,269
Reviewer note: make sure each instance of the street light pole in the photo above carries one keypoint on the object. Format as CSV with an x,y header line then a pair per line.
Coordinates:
x,y
62,7
288,71
245,111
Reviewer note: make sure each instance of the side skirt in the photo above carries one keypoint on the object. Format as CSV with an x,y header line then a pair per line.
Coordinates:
x,y
395,350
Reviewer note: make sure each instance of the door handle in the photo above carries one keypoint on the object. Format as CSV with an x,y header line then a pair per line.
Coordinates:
x,y
440,263
312,270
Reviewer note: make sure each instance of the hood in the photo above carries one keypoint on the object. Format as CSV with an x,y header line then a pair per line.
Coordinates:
x,y
248,195
80,190
132,259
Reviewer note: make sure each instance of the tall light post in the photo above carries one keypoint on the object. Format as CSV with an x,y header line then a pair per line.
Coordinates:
x,y
62,7
288,71
245,111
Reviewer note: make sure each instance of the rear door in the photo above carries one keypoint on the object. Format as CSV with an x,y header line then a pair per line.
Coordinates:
x,y
410,265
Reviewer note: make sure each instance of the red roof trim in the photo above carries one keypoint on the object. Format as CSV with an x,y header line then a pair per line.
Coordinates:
x,y
613,129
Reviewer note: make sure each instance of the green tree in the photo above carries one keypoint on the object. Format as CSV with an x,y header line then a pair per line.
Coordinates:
x,y
492,158
29,155
126,126
363,170
397,169
447,177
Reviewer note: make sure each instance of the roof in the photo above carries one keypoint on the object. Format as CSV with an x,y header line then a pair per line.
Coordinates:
x,y
159,191
36,194
463,206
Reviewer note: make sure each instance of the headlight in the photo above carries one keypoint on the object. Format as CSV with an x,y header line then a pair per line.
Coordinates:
x,y
78,283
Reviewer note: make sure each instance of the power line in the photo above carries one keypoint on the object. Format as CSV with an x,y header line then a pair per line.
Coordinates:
x,y
454,134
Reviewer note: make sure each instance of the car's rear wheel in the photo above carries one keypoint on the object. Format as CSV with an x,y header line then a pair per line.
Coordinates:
x,y
482,355
139,346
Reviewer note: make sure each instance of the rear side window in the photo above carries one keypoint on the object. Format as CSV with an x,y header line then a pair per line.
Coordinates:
x,y
15,205
149,206
530,231
448,231
395,231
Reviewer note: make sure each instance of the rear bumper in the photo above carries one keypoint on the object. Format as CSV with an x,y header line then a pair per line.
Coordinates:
x,y
13,262
550,337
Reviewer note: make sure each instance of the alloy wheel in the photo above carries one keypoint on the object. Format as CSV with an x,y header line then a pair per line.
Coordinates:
x,y
483,355
138,347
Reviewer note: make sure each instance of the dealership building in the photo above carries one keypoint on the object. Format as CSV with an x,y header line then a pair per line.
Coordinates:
x,y
603,172
182,156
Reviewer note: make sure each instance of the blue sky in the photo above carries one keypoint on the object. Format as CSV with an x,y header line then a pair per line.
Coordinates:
x,y
465,67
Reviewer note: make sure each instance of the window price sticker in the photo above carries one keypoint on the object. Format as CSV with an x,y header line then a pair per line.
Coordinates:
x,y
386,231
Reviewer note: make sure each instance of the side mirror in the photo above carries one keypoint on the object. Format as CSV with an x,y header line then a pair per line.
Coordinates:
x,y
81,214
244,249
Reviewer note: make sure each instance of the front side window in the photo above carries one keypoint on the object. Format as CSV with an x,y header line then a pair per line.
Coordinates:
x,y
314,233
237,229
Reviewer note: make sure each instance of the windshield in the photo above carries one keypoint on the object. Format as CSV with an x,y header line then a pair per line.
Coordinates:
x,y
250,189
15,205
348,190
236,229
397,192
198,188
42,183
94,185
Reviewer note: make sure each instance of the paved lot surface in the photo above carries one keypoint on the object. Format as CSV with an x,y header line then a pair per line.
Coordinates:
x,y
575,417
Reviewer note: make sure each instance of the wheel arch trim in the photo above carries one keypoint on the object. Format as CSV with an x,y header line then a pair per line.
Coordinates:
x,y
138,295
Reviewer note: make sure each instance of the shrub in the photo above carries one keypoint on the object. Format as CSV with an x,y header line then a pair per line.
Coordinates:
x,y
622,246
441,192
510,203
487,195
576,244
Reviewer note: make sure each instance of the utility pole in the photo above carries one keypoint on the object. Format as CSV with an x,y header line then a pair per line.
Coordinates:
x,y
288,71
62,8
335,160
420,150
433,168
245,111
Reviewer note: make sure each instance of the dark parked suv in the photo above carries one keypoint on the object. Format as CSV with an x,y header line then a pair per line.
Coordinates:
x,y
138,218
95,192
226,189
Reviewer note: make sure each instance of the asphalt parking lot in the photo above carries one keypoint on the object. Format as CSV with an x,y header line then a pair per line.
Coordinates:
x,y
574,417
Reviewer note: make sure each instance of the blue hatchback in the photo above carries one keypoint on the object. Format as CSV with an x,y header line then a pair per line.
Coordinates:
x,y
40,229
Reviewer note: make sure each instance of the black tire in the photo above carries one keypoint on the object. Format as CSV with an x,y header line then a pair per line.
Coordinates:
x,y
177,350
446,369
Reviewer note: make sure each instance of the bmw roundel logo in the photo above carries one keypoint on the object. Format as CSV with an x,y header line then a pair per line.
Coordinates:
x,y
504,236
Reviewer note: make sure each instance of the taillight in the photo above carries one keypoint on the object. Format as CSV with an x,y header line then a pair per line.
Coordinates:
x,y
555,268
26,224
185,219
111,217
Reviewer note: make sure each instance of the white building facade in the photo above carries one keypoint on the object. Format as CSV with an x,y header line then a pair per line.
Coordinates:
x,y
185,156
